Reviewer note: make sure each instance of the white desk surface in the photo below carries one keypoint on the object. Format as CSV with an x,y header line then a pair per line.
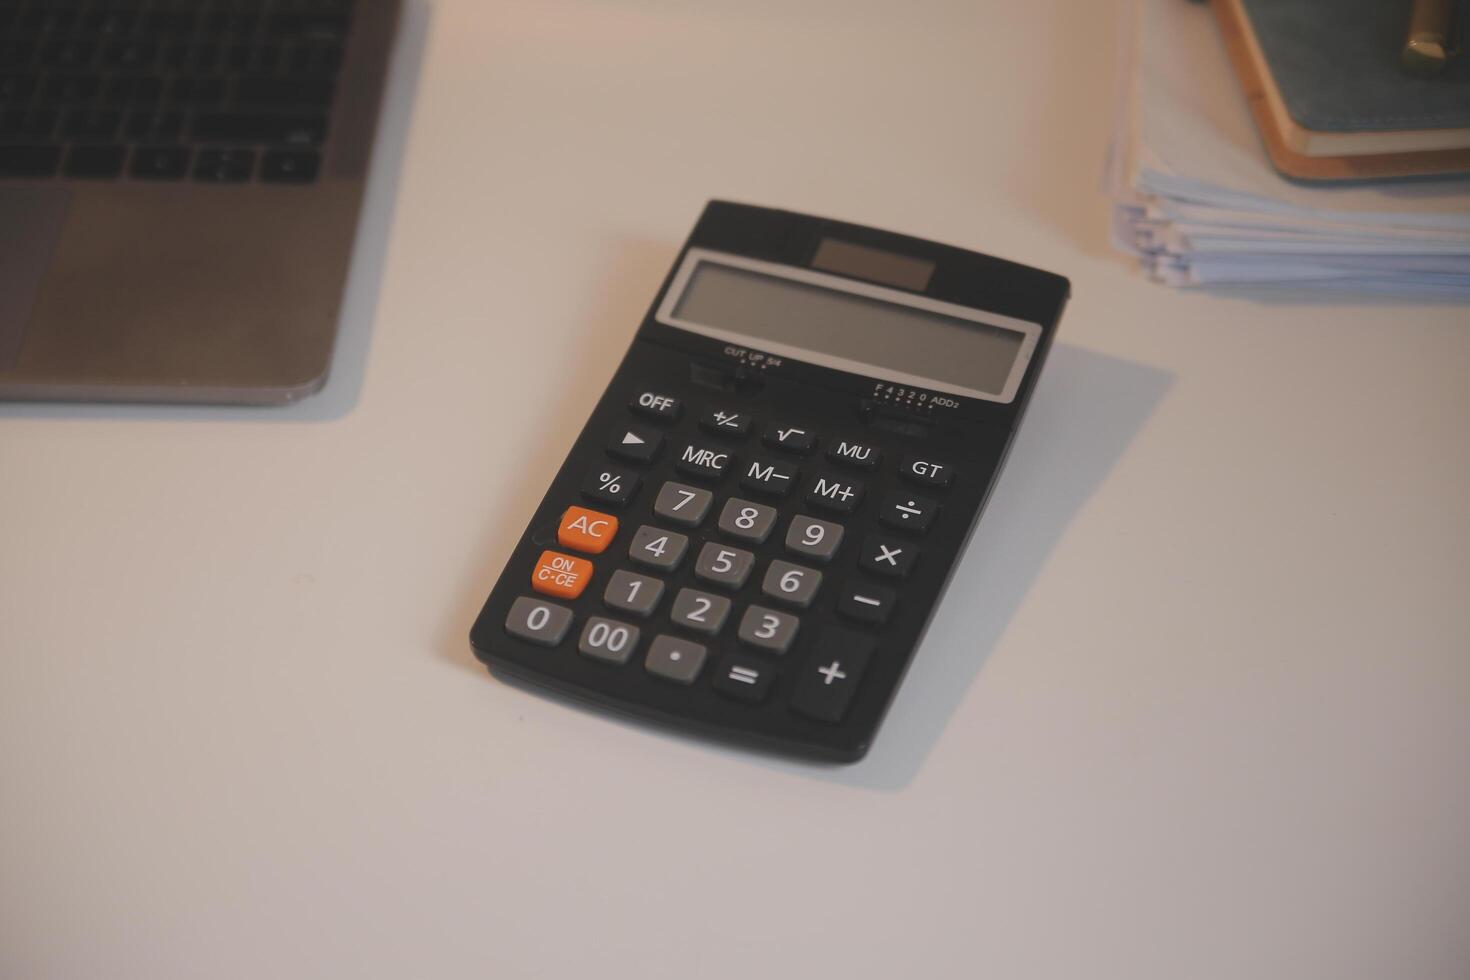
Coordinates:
x,y
1198,706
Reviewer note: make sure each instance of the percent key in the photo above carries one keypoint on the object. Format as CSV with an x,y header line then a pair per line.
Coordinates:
x,y
610,485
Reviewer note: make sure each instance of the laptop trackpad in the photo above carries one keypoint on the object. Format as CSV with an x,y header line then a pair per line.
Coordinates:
x,y
31,218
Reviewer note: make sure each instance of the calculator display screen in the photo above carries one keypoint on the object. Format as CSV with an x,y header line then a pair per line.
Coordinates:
x,y
853,326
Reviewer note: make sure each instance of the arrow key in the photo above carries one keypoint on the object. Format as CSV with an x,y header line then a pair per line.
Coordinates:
x,y
635,443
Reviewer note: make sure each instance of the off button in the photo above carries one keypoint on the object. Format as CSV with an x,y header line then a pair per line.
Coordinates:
x,y
656,405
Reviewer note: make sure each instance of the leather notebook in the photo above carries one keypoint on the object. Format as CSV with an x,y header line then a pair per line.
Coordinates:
x,y
1329,96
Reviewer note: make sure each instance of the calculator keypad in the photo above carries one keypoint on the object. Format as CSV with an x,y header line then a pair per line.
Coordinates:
x,y
888,556
542,623
791,439
679,503
791,584
770,476
657,548
768,629
835,494
725,423
825,687
608,639
908,512
703,461
867,603
657,405
851,453
754,587
676,659
630,592
813,538
635,443
700,611
563,576
611,485
926,471
744,678
586,530
747,520
723,566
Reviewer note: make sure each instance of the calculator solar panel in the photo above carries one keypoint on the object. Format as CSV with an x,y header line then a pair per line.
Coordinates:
x,y
751,533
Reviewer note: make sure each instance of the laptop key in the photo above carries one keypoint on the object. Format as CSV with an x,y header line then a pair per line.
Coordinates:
x,y
205,56
290,167
17,53
176,55
274,91
224,166
130,55
242,127
323,59
68,54
267,57
154,126
57,20
231,21
16,89
199,90
314,25
179,21
160,162
110,23
91,124
147,90
98,162
72,88
38,124
29,161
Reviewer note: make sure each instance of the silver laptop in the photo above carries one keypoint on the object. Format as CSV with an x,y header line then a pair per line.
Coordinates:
x,y
180,182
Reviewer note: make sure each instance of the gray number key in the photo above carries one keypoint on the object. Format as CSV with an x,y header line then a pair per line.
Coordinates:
x,y
675,659
791,584
656,548
537,621
768,629
680,503
723,566
630,592
608,639
746,520
699,611
813,538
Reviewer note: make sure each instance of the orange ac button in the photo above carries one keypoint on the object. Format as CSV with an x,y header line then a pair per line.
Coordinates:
x,y
586,530
561,575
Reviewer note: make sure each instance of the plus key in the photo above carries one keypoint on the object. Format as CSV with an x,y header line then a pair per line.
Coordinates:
x,y
824,689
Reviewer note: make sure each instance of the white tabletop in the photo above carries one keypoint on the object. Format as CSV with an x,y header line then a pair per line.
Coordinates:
x,y
1198,704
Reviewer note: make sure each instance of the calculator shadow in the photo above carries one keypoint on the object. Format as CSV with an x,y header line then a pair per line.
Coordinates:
x,y
1086,410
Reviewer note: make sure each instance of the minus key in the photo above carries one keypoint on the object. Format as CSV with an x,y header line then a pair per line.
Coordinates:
x,y
867,603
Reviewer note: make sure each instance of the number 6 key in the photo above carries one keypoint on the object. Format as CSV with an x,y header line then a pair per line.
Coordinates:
x,y
791,584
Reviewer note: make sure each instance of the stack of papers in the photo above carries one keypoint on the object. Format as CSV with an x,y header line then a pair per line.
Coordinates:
x,y
1197,200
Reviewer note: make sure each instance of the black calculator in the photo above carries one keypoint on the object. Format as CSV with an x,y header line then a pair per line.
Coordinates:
x,y
752,531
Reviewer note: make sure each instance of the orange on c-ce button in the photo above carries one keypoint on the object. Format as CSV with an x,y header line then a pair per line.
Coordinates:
x,y
561,575
586,530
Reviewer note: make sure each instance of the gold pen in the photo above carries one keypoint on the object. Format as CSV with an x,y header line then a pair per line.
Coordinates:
x,y
1430,41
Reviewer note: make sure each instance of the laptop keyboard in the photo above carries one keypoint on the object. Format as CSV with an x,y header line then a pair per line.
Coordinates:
x,y
216,91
